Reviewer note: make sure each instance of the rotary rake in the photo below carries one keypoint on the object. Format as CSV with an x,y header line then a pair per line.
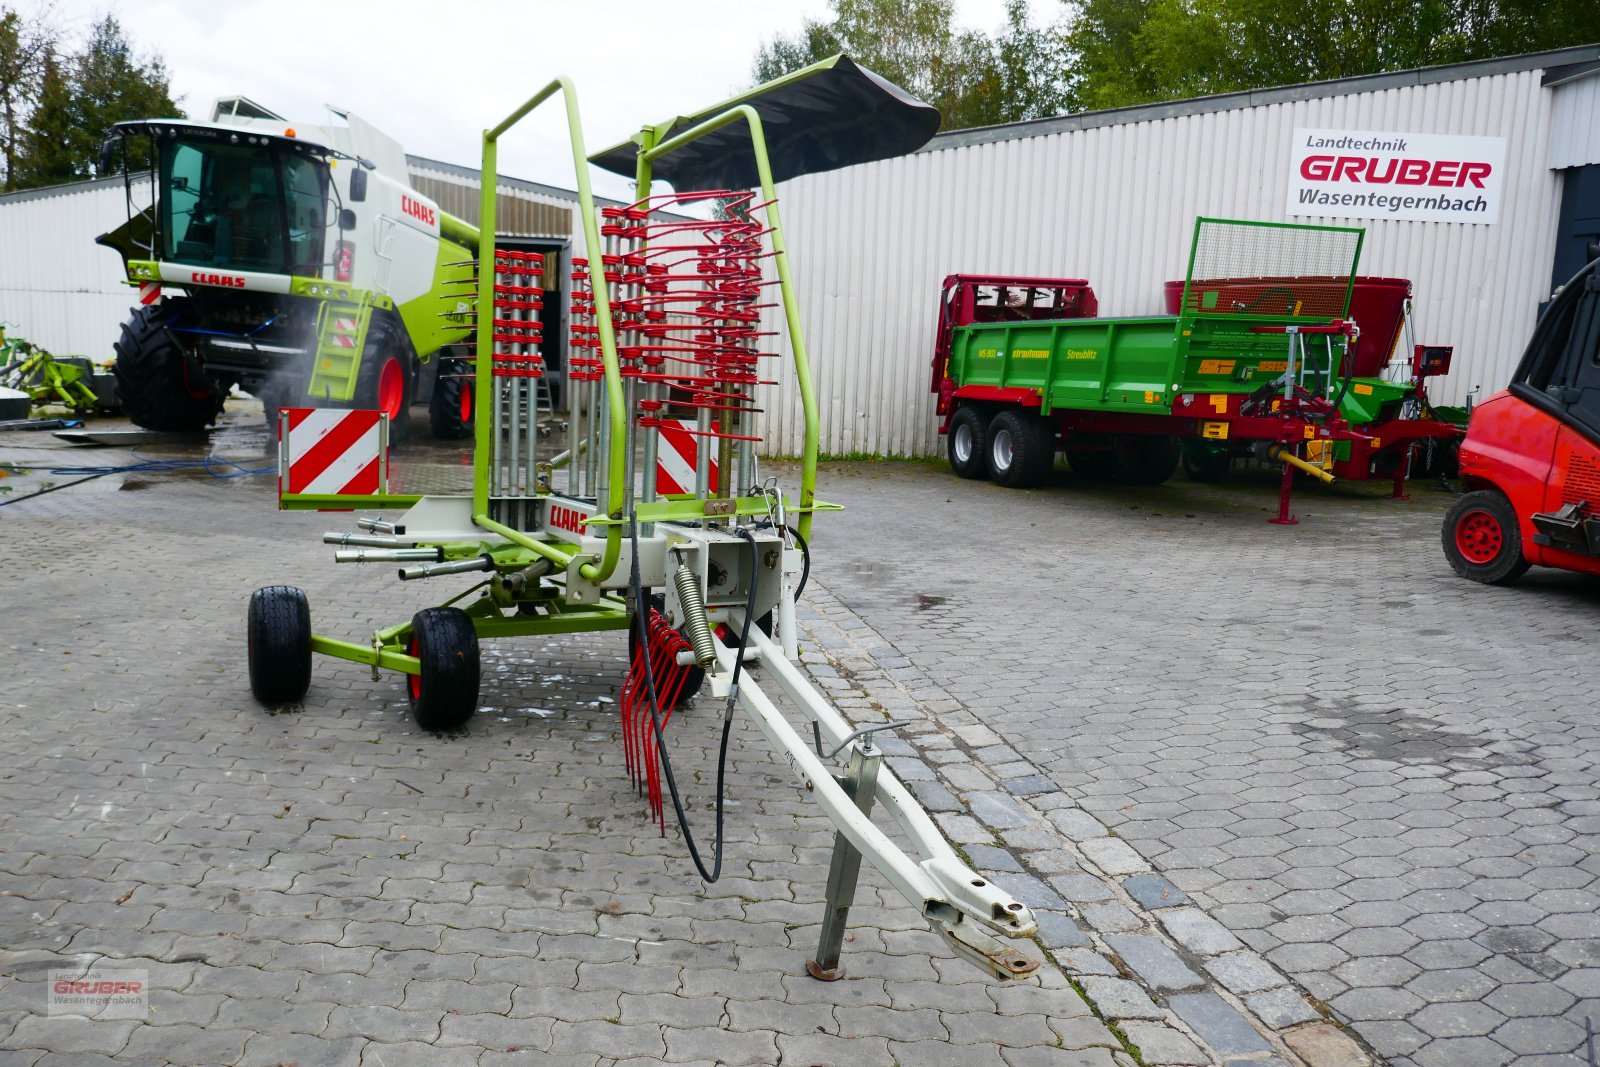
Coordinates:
x,y
655,518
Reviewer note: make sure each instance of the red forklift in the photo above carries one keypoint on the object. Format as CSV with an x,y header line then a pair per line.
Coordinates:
x,y
1531,458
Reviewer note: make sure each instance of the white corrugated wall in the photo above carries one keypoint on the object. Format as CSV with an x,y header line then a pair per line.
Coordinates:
x,y
1116,204
60,289
1575,123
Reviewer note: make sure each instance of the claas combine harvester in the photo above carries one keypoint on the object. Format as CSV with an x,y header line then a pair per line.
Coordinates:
x,y
1260,359
667,317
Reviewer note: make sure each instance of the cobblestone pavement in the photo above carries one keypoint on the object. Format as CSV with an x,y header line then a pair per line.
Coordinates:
x,y
1313,740
326,885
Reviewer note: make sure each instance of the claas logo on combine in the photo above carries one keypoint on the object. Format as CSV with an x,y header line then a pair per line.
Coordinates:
x,y
230,281
416,209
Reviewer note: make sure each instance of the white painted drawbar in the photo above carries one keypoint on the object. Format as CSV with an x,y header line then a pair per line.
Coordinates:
x,y
1112,197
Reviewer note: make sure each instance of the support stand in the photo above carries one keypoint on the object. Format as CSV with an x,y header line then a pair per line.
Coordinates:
x,y
1400,473
861,783
1284,491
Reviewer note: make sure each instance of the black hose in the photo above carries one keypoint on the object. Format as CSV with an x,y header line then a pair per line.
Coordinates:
x,y
805,573
642,628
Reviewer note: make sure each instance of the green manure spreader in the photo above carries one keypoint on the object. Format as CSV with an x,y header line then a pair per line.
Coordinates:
x,y
1262,359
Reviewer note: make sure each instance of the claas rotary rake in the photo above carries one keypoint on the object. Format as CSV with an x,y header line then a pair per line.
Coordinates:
x,y
655,520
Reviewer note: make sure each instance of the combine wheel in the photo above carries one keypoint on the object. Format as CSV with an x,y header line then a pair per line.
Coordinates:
x,y
450,410
969,429
1022,449
1146,460
1204,464
160,387
384,382
445,694
1483,539
278,633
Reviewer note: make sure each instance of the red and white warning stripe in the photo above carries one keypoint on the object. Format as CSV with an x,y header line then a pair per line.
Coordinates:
x,y
677,452
331,452
149,292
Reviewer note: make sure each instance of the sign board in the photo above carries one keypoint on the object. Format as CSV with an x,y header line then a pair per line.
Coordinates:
x,y
1415,177
331,452
677,453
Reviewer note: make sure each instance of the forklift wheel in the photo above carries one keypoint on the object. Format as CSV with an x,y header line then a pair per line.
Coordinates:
x,y
1483,540
445,694
279,644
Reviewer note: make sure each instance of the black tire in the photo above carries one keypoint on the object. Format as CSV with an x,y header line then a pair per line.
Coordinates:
x,y
965,441
278,644
691,682
1482,538
450,409
384,381
445,694
1096,465
1145,460
1021,449
160,388
1204,464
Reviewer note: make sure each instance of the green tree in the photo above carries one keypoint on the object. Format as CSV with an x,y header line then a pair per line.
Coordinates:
x,y
76,98
1136,51
973,79
24,44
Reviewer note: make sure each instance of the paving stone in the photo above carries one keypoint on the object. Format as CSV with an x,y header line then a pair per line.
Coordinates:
x,y
1322,1045
1120,998
1154,891
1077,824
1156,964
1158,1043
1058,931
1243,972
1218,1023
999,810
1281,1007
990,858
1198,932
1113,856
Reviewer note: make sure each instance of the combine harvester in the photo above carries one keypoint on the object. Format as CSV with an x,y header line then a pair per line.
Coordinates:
x,y
1260,359
705,580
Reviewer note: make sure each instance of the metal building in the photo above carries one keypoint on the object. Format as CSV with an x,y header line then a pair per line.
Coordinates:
x,y
1112,196
65,293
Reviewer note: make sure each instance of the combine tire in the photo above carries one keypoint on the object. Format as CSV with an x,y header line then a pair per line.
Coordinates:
x,y
450,410
1022,449
445,694
279,644
1205,464
969,429
159,387
1146,460
1483,539
384,382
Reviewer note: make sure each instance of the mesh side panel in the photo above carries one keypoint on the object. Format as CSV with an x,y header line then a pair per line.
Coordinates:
x,y
1251,269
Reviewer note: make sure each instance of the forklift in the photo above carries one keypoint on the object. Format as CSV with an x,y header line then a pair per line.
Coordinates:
x,y
1531,458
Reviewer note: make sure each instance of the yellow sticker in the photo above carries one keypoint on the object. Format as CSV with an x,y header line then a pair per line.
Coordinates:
x,y
1216,366
1219,402
1150,398
1276,404
1310,433
1216,431
1268,365
1362,389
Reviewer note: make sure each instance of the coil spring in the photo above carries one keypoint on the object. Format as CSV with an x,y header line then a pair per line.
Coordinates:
x,y
694,617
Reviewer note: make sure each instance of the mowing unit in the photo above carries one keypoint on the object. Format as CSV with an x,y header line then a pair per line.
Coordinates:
x,y
656,520
1531,460
1260,360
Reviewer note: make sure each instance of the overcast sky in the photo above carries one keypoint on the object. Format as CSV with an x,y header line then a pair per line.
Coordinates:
x,y
435,74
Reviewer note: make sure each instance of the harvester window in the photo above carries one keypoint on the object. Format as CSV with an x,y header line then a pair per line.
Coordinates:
x,y
241,207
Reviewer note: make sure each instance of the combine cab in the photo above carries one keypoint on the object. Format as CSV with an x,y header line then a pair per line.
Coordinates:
x,y
1531,459
293,261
